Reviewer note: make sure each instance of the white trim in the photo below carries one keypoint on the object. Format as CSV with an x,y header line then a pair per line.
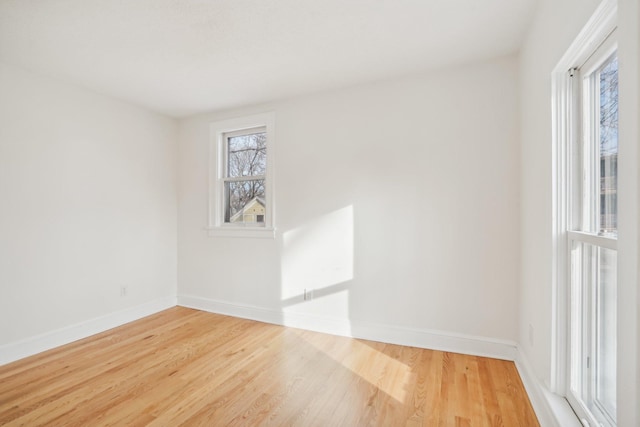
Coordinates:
x,y
253,232
431,339
601,241
561,91
551,409
601,24
39,343
216,226
436,340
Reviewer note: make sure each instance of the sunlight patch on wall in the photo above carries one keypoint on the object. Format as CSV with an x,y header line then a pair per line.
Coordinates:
x,y
317,262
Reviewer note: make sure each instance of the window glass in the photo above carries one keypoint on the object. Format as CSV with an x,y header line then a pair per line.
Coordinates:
x,y
605,394
608,188
247,155
244,201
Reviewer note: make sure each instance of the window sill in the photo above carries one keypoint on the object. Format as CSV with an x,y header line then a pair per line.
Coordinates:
x,y
251,232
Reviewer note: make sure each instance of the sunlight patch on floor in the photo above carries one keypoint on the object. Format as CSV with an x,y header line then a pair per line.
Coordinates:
x,y
365,362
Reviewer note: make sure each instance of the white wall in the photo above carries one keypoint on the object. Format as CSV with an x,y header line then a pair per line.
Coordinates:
x,y
628,380
87,205
556,25
398,201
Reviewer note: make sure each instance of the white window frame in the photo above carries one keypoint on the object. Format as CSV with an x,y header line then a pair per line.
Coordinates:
x,y
217,171
566,132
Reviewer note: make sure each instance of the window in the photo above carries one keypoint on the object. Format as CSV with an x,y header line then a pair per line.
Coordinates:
x,y
241,199
586,130
592,243
245,165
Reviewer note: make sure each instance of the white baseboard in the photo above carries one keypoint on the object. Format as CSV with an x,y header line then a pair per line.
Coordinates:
x,y
435,340
552,410
39,343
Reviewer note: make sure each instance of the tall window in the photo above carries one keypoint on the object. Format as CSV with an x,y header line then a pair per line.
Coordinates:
x,y
242,184
590,185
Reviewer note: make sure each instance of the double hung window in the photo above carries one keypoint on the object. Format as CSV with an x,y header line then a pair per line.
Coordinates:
x,y
241,199
588,252
593,244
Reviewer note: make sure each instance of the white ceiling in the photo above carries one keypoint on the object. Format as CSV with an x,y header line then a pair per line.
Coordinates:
x,y
181,57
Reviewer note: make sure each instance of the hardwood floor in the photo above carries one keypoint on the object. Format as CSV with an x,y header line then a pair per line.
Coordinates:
x,y
187,367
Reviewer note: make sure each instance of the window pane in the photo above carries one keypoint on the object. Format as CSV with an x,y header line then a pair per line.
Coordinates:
x,y
593,329
608,83
581,274
606,339
247,155
245,202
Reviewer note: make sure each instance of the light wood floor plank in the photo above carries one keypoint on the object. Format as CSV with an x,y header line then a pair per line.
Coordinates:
x,y
187,367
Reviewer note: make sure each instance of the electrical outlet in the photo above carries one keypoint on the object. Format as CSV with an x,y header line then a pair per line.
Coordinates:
x,y
530,335
124,290
308,294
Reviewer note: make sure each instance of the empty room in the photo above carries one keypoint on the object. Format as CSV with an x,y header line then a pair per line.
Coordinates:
x,y
319,213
